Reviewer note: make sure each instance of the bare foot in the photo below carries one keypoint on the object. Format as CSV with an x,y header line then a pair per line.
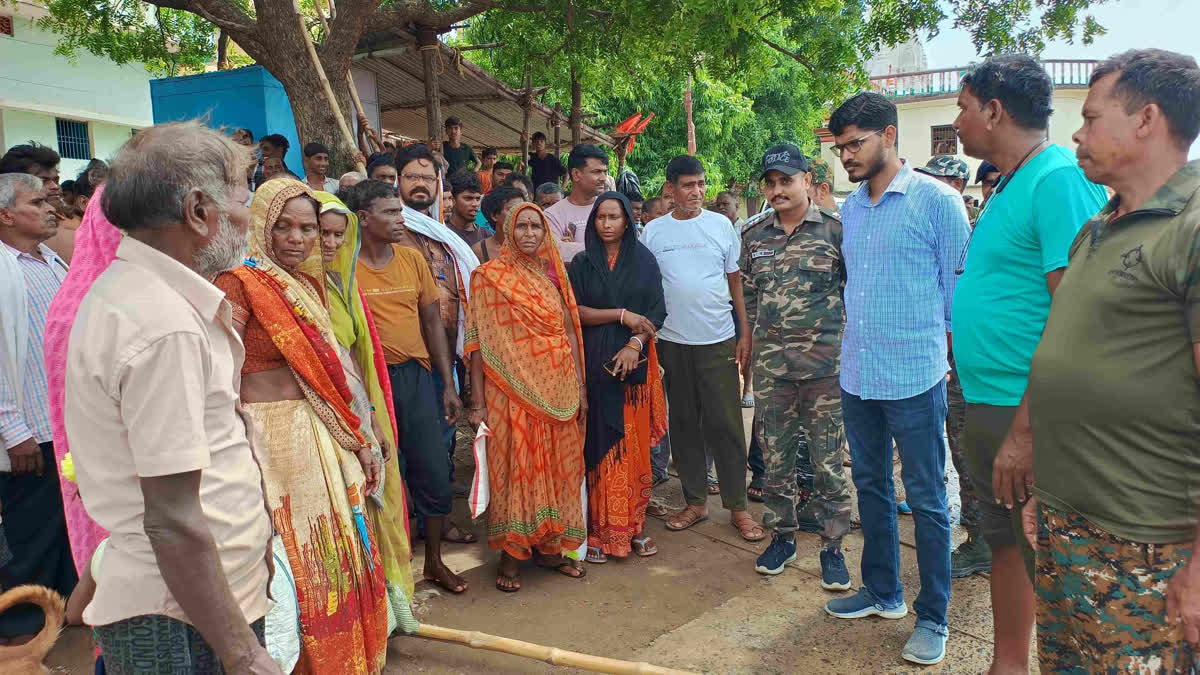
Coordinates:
x,y
442,576
508,576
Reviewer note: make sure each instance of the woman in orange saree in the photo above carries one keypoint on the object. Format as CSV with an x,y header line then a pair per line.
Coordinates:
x,y
316,467
619,289
523,338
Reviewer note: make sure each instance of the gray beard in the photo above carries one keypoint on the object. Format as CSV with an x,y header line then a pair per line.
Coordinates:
x,y
223,253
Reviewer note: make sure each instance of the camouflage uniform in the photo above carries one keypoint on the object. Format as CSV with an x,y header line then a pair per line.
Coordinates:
x,y
819,170
1101,601
949,166
793,289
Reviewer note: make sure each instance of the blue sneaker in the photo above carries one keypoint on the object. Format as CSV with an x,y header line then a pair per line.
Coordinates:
x,y
862,604
927,645
781,552
834,575
903,508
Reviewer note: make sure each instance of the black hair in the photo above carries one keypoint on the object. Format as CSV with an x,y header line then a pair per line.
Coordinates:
x,y
315,149
580,154
82,187
538,136
646,204
383,160
361,196
278,141
985,167
464,180
726,193
495,200
453,121
502,166
549,189
489,151
23,158
868,111
67,186
411,153
249,134
514,178
1019,82
683,165
1167,79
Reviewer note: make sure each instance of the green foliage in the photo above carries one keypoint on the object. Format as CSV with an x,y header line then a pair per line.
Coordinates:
x,y
127,31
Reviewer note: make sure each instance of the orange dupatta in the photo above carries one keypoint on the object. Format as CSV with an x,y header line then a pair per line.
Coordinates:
x,y
292,311
515,321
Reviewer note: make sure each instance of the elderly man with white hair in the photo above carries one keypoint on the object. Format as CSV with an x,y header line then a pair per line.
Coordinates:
x,y
161,451
32,511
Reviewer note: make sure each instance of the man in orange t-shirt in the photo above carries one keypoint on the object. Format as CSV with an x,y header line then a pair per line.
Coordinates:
x,y
404,300
485,169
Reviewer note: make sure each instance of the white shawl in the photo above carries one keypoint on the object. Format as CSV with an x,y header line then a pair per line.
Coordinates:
x,y
465,261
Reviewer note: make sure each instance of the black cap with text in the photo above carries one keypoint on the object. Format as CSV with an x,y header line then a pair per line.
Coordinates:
x,y
786,159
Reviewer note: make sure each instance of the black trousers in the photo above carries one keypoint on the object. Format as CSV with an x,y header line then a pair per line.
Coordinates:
x,y
422,445
31,508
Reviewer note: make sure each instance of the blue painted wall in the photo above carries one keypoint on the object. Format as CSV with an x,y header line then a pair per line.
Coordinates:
x,y
247,97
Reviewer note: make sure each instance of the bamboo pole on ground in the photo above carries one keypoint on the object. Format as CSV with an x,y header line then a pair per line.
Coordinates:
x,y
329,97
552,655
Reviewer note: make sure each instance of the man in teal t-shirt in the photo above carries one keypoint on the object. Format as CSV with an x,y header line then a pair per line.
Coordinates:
x,y
1011,267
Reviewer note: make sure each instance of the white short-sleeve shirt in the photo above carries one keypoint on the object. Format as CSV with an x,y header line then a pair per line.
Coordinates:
x,y
695,257
152,381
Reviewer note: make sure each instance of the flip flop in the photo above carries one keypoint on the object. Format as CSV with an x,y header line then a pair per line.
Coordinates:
x,y
464,537
755,494
644,546
595,556
558,566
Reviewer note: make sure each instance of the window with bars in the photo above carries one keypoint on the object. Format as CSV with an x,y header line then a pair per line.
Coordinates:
x,y
943,140
6,26
73,140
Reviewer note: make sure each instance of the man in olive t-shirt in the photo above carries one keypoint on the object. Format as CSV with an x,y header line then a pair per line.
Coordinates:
x,y
1113,394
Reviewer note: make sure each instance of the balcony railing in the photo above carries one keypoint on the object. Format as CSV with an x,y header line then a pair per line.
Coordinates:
x,y
946,82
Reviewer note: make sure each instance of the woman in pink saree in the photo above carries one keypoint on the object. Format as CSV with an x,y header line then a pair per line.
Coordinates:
x,y
96,243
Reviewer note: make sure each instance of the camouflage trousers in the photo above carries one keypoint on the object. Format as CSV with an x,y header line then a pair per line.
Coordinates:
x,y
793,417
956,413
1101,601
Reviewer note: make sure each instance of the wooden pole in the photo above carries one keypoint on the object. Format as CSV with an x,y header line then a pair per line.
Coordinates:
x,y
329,97
427,38
691,126
576,119
552,655
526,114
557,130
372,141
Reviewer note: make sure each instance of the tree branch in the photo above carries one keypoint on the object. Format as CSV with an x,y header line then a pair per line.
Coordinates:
x,y
224,15
782,50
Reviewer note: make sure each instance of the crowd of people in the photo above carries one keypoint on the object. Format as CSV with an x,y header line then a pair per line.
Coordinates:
x,y
219,378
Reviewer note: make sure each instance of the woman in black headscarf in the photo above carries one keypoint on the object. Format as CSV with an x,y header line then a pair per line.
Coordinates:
x,y
619,290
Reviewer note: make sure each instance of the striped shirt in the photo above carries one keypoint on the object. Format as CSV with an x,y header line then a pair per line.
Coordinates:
x,y
33,419
900,259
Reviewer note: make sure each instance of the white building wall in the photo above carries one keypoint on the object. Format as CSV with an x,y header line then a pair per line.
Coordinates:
x,y
37,86
917,117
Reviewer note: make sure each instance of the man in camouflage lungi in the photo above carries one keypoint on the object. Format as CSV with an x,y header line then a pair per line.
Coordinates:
x,y
1113,399
794,278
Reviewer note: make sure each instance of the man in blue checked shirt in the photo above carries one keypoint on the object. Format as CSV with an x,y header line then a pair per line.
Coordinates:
x,y
903,235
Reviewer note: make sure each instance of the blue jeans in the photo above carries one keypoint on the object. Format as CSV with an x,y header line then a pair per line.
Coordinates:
x,y
918,425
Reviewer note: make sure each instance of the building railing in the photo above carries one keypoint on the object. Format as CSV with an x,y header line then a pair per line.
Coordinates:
x,y
946,82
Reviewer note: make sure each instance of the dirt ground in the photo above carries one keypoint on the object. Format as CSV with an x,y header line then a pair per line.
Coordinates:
x,y
698,605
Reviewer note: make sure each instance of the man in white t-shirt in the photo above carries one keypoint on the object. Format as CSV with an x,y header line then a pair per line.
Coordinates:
x,y
588,168
697,252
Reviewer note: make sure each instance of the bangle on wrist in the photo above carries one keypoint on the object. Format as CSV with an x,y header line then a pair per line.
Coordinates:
x,y
641,345
622,319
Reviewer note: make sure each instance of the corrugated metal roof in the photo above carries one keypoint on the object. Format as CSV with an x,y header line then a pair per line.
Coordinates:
x,y
489,109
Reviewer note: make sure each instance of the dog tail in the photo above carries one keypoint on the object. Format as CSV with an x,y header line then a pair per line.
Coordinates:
x,y
54,607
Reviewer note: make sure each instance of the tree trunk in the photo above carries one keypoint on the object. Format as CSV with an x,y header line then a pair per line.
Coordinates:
x,y
314,119
223,51
576,119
